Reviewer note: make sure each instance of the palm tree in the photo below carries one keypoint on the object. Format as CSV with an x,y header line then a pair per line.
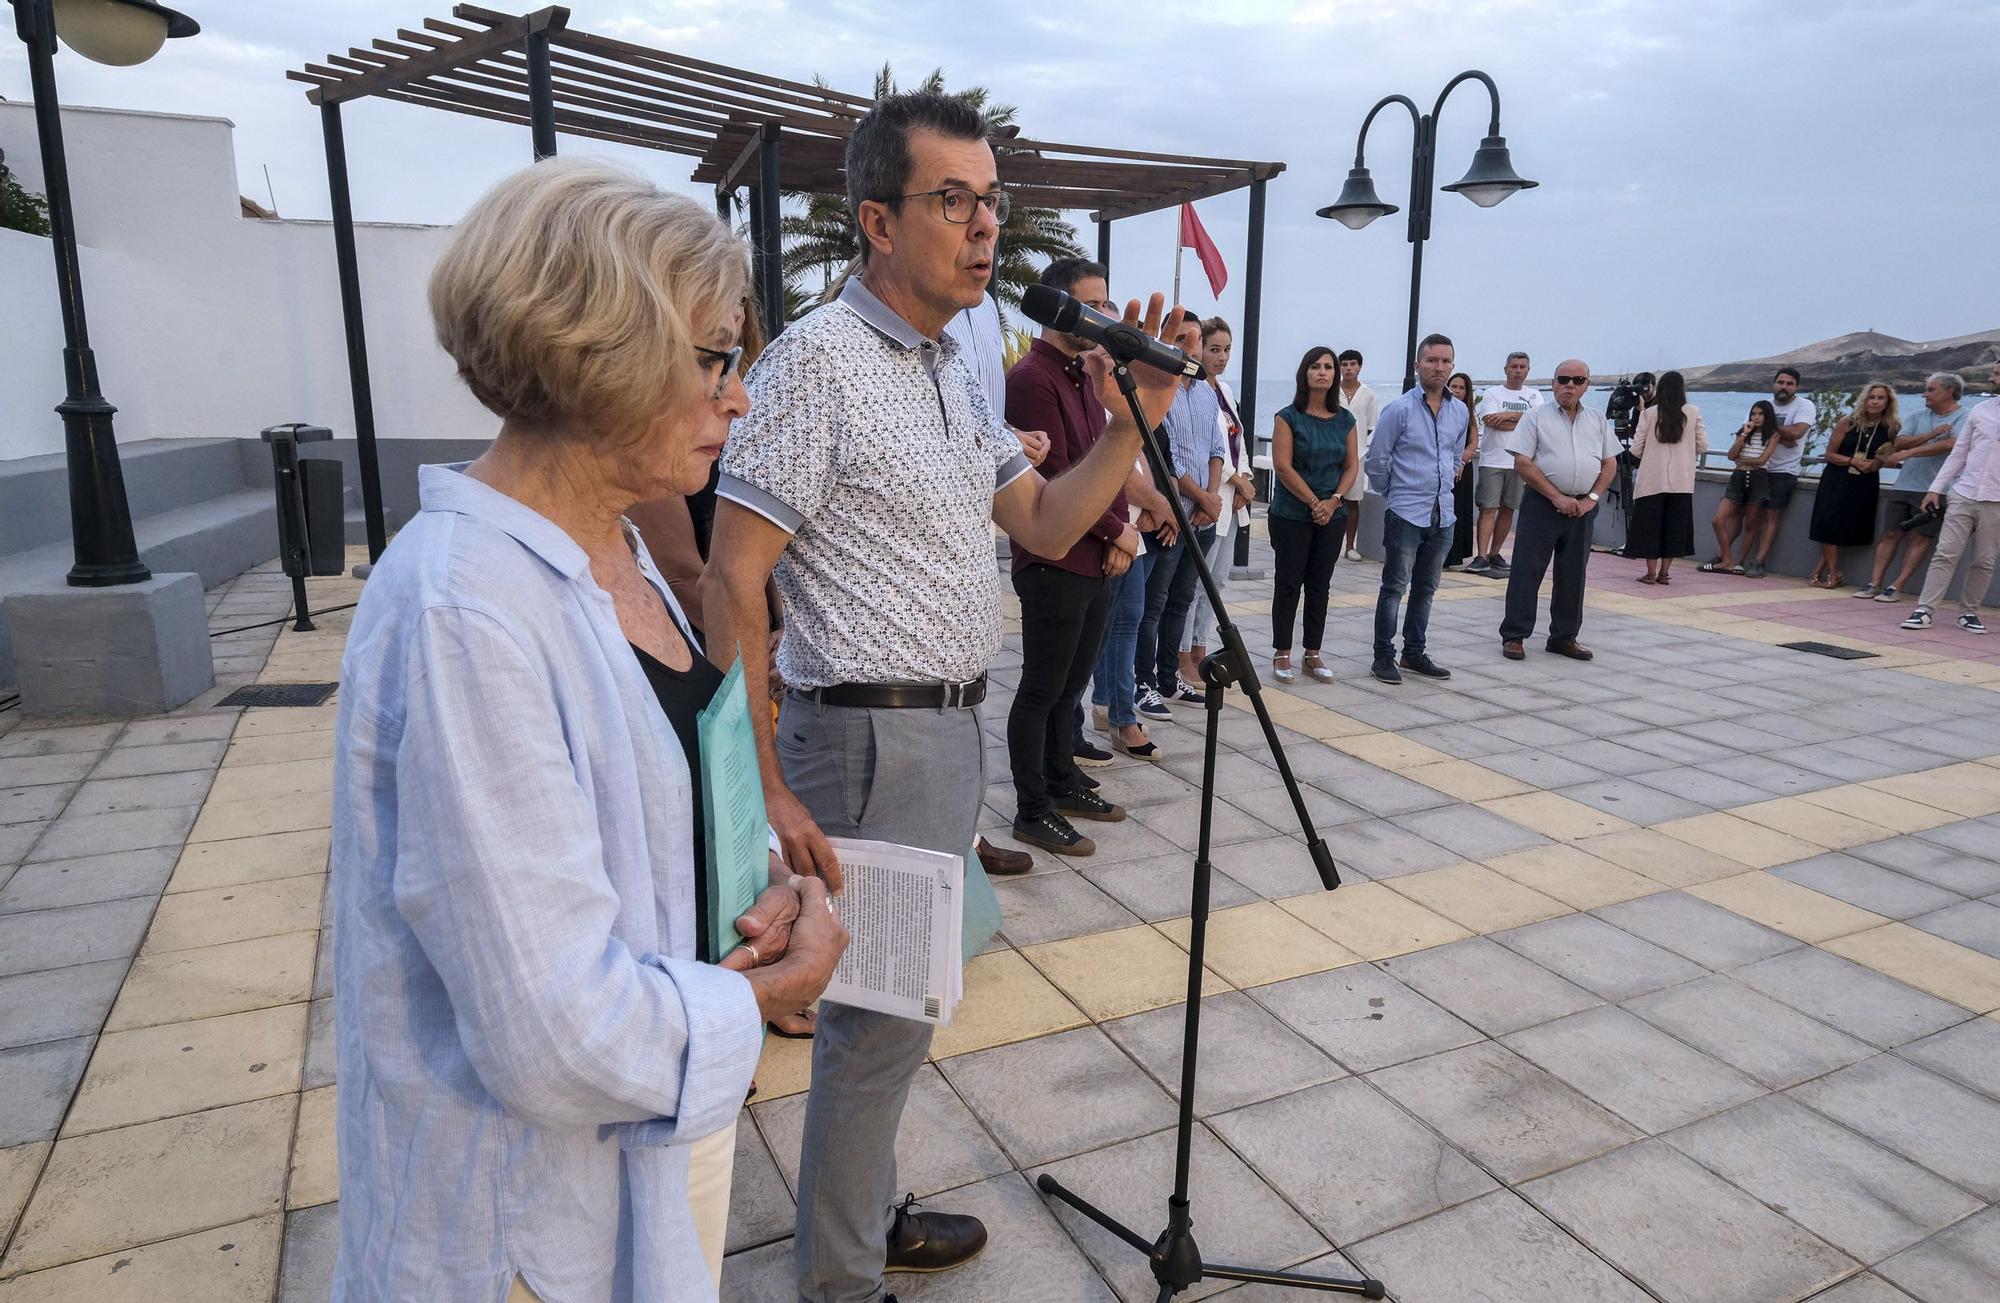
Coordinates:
x,y
821,238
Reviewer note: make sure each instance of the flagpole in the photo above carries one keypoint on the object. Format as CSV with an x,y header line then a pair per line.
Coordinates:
x,y
1178,250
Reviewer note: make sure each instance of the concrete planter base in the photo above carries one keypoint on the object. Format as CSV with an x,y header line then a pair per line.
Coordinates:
x,y
138,649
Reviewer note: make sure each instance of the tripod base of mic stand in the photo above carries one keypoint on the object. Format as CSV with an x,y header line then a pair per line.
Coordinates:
x,y
1177,1262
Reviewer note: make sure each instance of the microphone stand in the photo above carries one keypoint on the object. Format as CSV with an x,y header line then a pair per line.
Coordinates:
x,y
1176,1260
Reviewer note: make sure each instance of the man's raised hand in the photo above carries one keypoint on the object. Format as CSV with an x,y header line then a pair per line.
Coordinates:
x,y
1156,387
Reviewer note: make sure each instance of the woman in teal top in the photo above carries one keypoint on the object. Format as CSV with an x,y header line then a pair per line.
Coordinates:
x,y
1315,459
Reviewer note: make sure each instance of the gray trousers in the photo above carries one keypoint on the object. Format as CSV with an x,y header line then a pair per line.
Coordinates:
x,y
915,777
1200,630
1970,529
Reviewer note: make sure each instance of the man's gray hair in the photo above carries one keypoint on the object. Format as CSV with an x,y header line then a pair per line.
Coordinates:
x,y
1950,380
1517,353
878,153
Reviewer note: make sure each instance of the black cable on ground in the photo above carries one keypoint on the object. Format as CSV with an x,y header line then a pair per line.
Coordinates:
x,y
220,633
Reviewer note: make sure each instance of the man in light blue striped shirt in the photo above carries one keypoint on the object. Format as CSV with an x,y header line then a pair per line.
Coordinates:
x,y
1413,464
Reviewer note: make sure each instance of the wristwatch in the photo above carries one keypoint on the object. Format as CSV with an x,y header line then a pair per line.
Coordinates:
x,y
1591,496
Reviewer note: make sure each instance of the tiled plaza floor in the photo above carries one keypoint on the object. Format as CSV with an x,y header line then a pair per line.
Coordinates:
x,y
1674,975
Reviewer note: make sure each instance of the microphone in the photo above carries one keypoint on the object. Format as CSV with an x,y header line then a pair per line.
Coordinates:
x,y
1058,311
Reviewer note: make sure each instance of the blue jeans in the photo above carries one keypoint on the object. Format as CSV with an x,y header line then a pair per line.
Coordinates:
x,y
1412,560
1112,682
1159,578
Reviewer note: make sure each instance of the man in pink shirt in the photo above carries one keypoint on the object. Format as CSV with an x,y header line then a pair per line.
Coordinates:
x,y
1968,487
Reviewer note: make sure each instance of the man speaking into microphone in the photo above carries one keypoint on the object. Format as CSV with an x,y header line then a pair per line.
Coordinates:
x,y
865,475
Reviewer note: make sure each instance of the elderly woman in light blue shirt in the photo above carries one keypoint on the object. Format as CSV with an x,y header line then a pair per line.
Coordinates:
x,y
528,1044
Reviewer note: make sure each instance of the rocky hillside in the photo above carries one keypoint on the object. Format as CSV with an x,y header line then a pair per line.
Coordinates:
x,y
1846,361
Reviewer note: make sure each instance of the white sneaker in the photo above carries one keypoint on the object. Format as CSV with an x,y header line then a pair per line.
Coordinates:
x,y
1971,623
1919,619
1353,554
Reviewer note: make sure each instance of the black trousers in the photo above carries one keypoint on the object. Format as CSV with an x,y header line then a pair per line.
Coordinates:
x,y
1467,512
1062,629
1305,554
1542,533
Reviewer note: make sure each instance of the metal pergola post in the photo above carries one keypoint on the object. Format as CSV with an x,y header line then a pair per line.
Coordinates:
x,y
1253,306
541,94
357,341
771,248
1253,309
1104,242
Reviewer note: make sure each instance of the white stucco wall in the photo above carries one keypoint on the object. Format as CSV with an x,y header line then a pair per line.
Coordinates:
x,y
206,323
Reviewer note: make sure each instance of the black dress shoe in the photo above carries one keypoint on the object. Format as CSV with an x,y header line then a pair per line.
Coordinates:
x,y
928,1241
1571,648
1424,665
1385,670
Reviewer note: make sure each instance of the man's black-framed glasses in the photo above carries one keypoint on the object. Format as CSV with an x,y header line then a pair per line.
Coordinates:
x,y
729,359
1572,380
958,203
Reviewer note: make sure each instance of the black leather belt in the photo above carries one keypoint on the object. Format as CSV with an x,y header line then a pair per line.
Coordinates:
x,y
898,696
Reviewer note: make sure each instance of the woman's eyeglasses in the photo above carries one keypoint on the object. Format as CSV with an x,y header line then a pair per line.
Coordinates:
x,y
959,203
729,359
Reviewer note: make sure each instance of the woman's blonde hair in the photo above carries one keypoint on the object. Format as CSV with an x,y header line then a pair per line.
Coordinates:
x,y
1889,417
571,294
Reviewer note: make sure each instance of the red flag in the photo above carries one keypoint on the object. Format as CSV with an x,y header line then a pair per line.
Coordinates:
x,y
1194,237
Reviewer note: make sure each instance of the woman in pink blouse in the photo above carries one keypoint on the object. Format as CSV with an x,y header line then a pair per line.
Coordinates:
x,y
1669,445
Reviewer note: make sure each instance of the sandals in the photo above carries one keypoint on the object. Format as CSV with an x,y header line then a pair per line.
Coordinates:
x,y
1715,565
1281,667
1649,579
1317,668
1664,579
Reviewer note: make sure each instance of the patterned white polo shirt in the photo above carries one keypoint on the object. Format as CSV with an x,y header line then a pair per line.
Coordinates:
x,y
874,447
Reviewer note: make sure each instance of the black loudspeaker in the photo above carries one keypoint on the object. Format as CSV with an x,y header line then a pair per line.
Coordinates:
x,y
326,511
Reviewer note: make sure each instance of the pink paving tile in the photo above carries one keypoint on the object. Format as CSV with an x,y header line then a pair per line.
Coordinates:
x,y
1622,575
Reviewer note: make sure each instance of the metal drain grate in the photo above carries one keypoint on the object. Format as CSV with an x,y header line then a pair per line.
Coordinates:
x,y
1834,650
280,694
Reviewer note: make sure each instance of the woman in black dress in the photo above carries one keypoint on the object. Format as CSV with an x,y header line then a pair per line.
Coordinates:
x,y
1844,508
1460,387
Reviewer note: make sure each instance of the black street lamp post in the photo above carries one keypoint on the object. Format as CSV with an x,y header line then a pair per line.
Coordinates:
x,y
1490,179
121,32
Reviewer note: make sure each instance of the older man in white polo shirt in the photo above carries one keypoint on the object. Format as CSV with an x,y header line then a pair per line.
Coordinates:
x,y
1566,454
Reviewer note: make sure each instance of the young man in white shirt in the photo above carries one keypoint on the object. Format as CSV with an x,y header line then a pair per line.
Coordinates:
x,y
1796,415
1367,408
1498,493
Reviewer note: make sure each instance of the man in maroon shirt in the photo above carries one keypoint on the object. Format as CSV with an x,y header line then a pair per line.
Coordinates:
x,y
1054,387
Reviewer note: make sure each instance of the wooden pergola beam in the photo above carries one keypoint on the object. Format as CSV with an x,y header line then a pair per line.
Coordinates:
x,y
506,31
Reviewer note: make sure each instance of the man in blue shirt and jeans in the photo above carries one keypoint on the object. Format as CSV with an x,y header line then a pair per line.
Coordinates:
x,y
1413,464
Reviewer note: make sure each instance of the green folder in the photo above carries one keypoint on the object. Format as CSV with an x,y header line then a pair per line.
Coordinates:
x,y
732,803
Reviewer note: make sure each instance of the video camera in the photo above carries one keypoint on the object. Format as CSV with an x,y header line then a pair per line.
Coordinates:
x,y
1628,398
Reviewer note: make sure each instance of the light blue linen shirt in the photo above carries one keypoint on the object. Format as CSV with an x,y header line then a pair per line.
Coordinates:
x,y
1195,434
526,1041
1413,459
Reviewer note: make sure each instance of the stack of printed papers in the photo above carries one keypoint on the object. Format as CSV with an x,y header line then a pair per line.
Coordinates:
x,y
903,909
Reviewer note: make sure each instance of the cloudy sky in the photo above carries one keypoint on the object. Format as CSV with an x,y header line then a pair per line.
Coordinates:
x,y
1719,179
